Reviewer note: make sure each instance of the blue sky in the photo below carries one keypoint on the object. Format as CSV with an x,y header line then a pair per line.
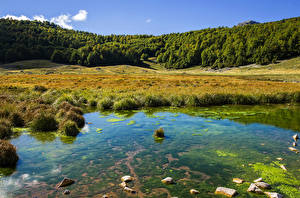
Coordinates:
x,y
149,16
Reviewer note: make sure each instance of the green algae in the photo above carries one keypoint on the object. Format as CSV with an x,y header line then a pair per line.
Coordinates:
x,y
115,120
131,122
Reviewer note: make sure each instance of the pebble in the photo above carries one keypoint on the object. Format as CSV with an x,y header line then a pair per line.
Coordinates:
x,y
194,192
253,188
237,180
283,167
273,195
258,180
295,137
168,180
66,192
126,178
293,149
226,191
263,185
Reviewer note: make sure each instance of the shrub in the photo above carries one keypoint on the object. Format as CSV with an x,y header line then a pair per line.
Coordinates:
x,y
78,119
39,88
105,103
44,122
159,133
92,103
65,105
8,154
5,129
125,104
17,120
76,110
69,128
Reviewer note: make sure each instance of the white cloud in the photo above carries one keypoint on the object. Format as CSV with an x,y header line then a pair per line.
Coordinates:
x,y
63,21
81,16
22,17
148,20
40,18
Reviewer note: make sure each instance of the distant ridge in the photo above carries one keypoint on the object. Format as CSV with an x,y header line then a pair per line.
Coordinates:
x,y
249,22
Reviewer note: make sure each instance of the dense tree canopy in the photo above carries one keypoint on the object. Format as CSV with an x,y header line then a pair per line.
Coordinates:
x,y
217,47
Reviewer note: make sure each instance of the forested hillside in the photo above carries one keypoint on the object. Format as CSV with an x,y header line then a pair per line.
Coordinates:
x,y
218,47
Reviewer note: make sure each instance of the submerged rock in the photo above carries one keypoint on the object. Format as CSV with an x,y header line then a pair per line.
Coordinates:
x,y
194,192
105,196
293,149
295,137
168,180
66,192
258,180
273,195
279,158
237,180
263,185
226,191
129,190
253,188
294,144
123,184
126,178
283,167
65,182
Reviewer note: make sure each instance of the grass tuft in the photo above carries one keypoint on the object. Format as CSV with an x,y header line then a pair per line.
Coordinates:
x,y
8,154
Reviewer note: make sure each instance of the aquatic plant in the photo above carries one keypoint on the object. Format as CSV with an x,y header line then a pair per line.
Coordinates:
x,y
77,118
159,133
69,128
125,104
44,122
8,154
5,129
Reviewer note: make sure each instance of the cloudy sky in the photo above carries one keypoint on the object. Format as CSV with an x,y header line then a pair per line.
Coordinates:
x,y
148,16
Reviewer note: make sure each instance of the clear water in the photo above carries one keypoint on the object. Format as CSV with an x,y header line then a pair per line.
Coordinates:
x,y
204,148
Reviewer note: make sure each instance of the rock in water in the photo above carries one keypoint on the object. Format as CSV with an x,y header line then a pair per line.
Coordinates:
x,y
295,137
123,184
294,144
168,180
258,180
283,167
194,192
273,195
293,149
226,191
263,185
237,180
129,190
66,192
105,196
65,182
253,188
279,158
126,178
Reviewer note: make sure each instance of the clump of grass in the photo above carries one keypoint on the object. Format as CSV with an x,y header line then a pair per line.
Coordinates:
x,y
65,106
92,103
39,88
16,119
77,110
160,133
44,122
69,128
106,103
8,154
78,119
125,104
177,101
154,101
5,129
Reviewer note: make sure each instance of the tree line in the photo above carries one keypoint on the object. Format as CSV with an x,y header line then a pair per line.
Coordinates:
x,y
217,47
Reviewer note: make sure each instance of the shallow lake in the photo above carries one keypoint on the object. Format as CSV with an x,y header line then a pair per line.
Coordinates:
x,y
204,148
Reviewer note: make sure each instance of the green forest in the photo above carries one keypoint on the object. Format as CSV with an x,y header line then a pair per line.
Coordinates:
x,y
217,47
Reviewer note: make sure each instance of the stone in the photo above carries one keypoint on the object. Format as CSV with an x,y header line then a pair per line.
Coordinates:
x,y
129,190
273,195
168,180
295,137
283,167
226,191
263,185
105,196
293,149
123,184
65,182
294,144
279,158
237,180
194,192
253,188
126,178
66,192
258,180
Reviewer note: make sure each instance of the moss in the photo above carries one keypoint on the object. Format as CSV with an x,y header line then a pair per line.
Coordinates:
x,y
225,154
131,122
115,120
5,129
125,104
69,128
44,122
78,119
8,154
159,133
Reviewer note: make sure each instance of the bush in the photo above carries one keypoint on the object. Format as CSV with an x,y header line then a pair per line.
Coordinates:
x,y
159,133
92,103
39,88
17,120
44,122
105,103
78,119
5,129
69,128
125,104
76,110
8,154
65,105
